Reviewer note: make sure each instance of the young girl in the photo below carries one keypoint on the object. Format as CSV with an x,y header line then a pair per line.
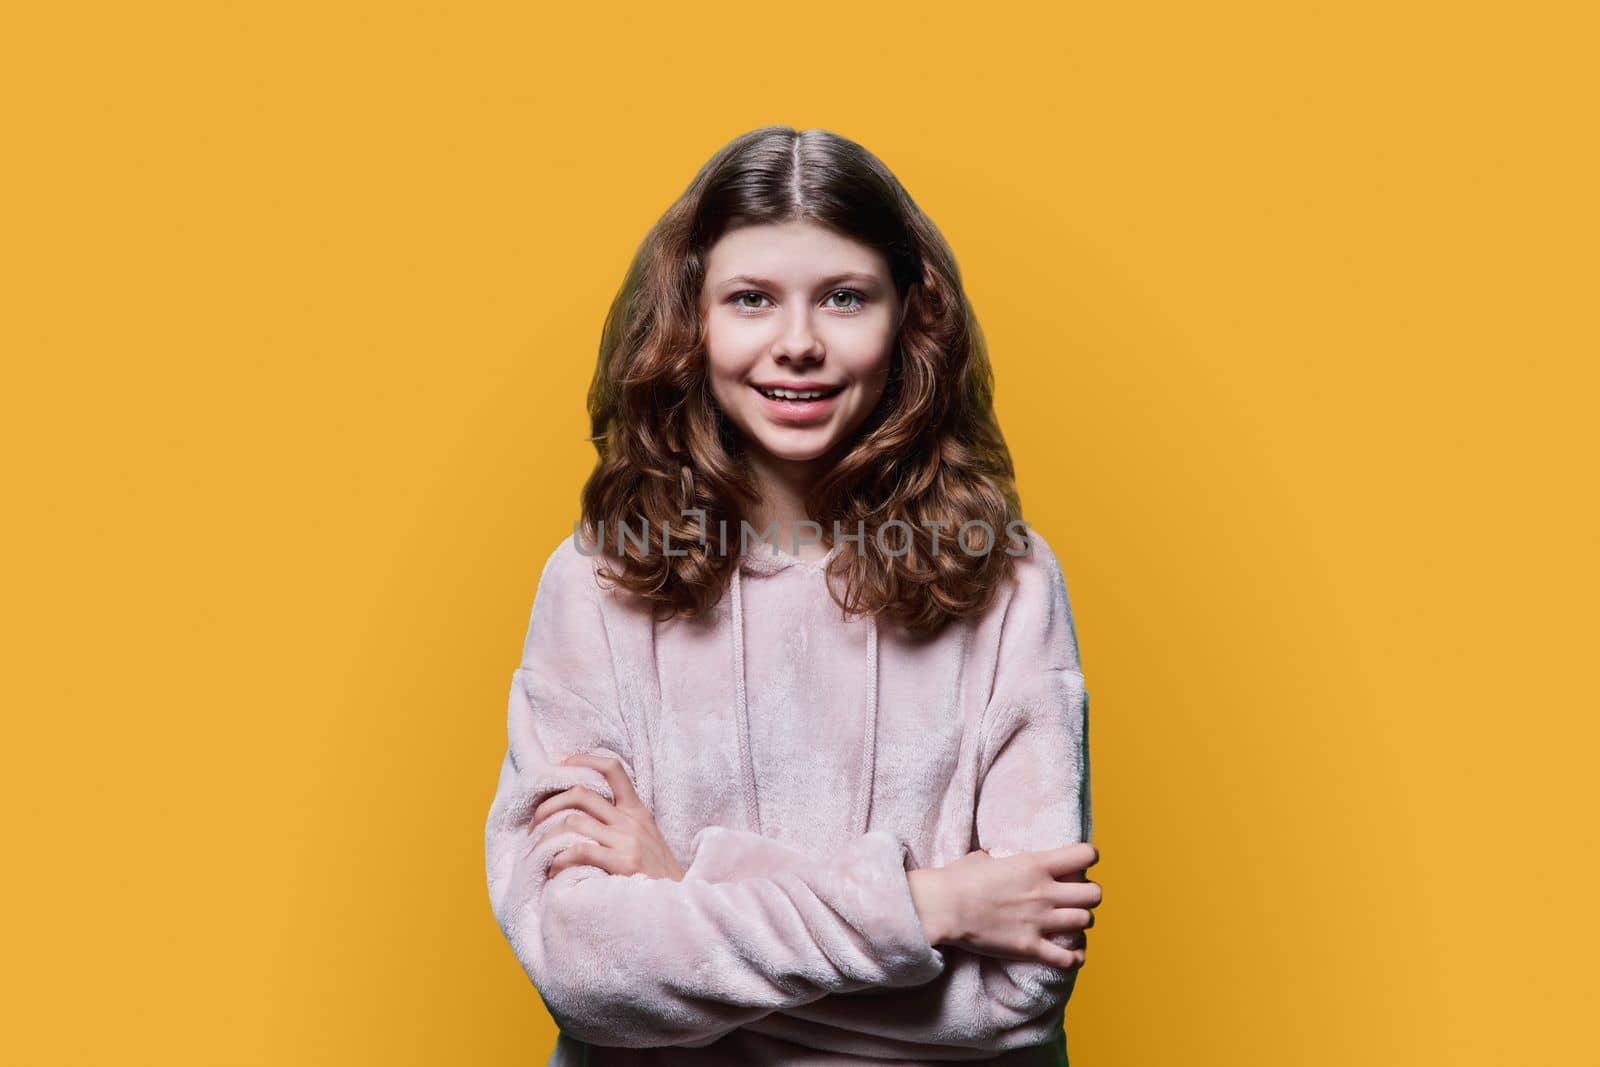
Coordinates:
x,y
869,749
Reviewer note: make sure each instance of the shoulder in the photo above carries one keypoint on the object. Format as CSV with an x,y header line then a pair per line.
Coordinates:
x,y
566,613
568,638
570,570
1035,581
1033,554
1033,621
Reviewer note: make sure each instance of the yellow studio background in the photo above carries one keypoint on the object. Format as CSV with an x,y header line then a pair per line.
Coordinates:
x,y
1292,309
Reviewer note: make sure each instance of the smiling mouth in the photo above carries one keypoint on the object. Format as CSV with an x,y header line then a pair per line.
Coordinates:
x,y
799,395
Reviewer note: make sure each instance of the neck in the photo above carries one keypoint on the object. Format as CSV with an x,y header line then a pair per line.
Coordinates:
x,y
783,485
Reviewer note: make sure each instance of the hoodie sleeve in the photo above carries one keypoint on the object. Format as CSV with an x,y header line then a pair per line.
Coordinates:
x,y
637,962
1033,795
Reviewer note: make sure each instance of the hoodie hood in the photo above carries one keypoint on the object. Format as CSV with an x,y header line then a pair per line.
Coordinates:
x,y
764,560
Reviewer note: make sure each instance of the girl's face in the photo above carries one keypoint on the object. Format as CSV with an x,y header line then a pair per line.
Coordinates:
x,y
797,306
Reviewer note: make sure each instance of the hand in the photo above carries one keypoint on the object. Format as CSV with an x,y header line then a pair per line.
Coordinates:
x,y
626,840
1014,907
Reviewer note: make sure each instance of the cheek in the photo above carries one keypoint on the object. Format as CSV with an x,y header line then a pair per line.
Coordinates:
x,y
719,358
868,353
730,346
728,361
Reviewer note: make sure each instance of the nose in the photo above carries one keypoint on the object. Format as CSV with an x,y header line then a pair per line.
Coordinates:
x,y
798,341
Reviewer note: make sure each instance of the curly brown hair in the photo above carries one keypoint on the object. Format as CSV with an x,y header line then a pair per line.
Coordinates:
x,y
930,454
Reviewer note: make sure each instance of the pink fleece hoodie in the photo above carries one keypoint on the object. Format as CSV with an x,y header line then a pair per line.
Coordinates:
x,y
798,763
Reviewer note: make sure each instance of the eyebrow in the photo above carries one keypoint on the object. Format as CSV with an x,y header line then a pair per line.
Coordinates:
x,y
767,283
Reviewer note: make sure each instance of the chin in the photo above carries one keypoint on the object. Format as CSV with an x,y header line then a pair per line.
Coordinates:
x,y
793,454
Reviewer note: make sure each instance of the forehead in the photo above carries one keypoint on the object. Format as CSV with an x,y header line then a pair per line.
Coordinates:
x,y
790,251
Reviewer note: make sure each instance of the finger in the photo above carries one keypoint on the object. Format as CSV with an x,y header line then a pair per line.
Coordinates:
x,y
1056,956
578,796
614,773
582,822
1067,921
1070,939
554,822
1073,859
1067,893
570,856
583,854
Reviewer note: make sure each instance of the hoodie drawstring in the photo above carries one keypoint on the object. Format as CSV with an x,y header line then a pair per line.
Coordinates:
x,y
861,807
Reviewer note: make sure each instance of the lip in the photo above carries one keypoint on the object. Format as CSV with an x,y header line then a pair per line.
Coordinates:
x,y
798,386
797,412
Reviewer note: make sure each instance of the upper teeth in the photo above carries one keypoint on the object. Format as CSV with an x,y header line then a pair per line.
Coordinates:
x,y
795,394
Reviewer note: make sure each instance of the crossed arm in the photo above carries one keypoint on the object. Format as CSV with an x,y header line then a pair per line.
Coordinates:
x,y
826,951
976,1002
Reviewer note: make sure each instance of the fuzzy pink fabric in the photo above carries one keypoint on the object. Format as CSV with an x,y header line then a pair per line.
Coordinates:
x,y
799,763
